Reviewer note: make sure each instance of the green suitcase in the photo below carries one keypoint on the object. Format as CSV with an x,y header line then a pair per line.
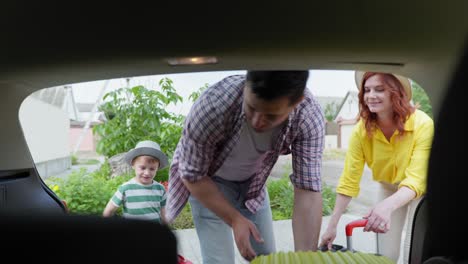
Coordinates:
x,y
343,255
347,257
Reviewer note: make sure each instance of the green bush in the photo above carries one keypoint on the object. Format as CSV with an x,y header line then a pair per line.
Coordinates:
x,y
281,193
184,219
87,193
328,199
281,196
74,159
162,175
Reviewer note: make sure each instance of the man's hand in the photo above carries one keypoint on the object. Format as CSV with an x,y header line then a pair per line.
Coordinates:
x,y
242,228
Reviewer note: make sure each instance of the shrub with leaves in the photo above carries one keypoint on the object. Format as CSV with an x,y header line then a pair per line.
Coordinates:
x,y
136,114
87,193
281,193
328,199
330,111
421,99
196,94
162,175
74,159
184,220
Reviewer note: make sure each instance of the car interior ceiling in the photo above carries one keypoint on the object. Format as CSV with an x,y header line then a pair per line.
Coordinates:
x,y
64,51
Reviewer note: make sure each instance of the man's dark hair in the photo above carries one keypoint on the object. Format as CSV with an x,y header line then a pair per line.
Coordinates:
x,y
271,85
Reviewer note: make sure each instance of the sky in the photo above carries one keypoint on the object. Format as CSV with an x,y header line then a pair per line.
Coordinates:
x,y
321,83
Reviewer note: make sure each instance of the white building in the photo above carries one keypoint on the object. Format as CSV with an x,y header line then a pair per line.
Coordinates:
x,y
346,118
45,127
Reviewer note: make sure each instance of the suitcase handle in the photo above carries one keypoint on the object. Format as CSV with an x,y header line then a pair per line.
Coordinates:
x,y
356,223
349,233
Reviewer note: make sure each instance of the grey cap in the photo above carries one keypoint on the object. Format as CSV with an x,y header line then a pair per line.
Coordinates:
x,y
147,148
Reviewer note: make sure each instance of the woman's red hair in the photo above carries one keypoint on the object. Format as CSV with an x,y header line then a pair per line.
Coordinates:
x,y
402,108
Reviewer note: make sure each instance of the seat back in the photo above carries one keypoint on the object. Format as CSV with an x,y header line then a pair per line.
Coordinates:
x,y
24,191
85,239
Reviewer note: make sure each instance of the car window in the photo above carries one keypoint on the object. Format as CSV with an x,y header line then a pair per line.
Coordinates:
x,y
79,148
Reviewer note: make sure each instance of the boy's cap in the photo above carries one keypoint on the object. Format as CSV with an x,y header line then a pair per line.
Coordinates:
x,y
147,148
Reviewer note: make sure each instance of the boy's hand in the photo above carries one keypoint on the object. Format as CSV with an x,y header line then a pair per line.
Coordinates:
x,y
110,209
163,215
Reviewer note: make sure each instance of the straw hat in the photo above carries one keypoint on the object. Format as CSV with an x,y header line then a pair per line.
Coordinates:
x,y
405,82
147,148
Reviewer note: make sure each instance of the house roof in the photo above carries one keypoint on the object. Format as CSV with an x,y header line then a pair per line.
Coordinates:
x,y
85,107
54,96
347,96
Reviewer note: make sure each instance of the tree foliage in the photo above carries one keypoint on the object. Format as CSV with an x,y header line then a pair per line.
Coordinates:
x,y
330,111
85,192
194,95
136,114
420,99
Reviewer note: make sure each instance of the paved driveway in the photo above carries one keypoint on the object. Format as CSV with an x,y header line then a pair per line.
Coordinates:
x,y
359,206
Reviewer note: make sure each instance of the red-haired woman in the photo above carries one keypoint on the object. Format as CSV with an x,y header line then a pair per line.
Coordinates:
x,y
394,139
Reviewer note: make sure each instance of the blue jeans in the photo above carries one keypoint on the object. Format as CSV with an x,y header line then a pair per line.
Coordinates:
x,y
215,236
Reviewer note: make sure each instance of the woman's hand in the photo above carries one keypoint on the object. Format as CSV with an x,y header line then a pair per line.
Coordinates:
x,y
328,237
379,218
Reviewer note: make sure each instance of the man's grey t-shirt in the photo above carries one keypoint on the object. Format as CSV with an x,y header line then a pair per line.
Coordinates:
x,y
247,156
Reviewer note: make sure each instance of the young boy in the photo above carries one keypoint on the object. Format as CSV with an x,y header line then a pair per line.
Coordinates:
x,y
141,197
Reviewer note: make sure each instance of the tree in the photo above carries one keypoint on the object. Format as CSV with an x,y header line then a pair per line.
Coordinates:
x,y
194,95
136,114
420,99
330,111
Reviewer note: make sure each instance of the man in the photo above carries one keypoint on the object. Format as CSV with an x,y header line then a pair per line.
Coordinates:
x,y
232,138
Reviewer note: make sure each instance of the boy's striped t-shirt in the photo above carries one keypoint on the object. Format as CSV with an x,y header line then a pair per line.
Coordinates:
x,y
141,201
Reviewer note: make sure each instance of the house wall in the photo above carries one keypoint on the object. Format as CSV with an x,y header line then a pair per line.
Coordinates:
x,y
45,129
345,135
87,144
346,117
350,108
331,141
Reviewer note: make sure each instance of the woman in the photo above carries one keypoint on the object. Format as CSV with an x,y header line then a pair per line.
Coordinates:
x,y
394,139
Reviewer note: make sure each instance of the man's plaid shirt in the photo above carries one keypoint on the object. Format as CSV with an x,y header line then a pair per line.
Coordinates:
x,y
212,129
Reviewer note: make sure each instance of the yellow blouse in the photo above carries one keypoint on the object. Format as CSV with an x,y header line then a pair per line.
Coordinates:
x,y
401,161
